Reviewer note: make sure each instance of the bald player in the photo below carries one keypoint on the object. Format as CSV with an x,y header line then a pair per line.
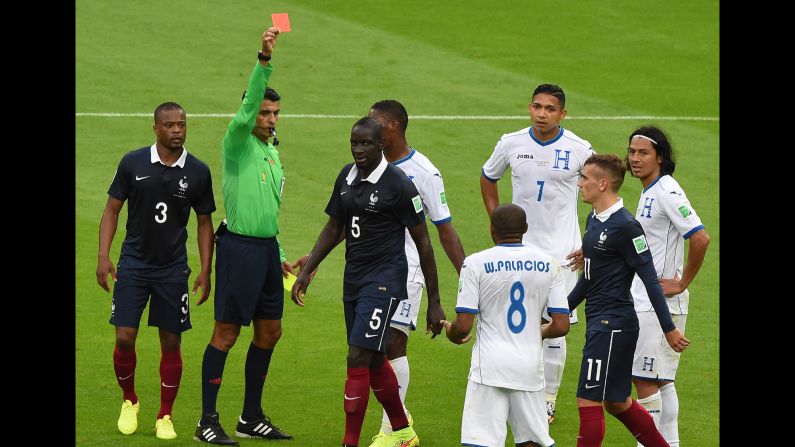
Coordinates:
x,y
508,286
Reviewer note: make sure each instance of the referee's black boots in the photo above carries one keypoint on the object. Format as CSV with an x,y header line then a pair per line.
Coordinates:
x,y
209,430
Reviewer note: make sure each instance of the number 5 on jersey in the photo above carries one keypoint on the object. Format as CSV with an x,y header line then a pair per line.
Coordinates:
x,y
355,230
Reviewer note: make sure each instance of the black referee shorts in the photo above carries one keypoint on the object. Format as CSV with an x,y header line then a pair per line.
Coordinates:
x,y
248,279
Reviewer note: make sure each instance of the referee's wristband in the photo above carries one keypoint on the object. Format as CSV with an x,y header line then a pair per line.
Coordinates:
x,y
263,57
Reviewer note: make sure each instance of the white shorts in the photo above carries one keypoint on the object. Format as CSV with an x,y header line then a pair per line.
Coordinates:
x,y
570,278
405,317
654,358
488,408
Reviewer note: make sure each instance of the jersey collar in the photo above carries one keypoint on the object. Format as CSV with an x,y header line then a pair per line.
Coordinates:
x,y
545,143
411,154
604,215
652,183
156,158
373,177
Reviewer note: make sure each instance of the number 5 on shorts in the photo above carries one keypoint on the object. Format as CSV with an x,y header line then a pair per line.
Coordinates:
x,y
375,320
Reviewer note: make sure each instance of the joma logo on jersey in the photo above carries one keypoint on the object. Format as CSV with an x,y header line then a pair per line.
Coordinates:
x,y
524,156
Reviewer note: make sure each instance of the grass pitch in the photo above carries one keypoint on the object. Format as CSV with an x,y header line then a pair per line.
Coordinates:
x,y
615,60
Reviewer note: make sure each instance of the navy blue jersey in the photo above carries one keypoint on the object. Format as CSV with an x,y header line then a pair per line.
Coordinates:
x,y
612,251
159,199
375,216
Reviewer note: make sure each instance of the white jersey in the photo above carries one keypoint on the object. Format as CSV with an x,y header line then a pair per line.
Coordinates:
x,y
544,183
508,286
667,219
428,181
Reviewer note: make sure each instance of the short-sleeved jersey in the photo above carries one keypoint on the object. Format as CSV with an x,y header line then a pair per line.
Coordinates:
x,y
376,212
159,199
508,286
544,179
253,177
429,184
668,219
613,246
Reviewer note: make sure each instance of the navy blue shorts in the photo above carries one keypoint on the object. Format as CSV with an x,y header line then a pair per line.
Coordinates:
x,y
169,309
248,279
367,320
606,369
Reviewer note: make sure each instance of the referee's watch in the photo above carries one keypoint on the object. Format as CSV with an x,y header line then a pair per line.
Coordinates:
x,y
262,57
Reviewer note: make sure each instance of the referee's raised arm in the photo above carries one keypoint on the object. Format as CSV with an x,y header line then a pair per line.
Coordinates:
x,y
245,119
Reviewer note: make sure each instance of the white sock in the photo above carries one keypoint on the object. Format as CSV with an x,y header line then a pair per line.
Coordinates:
x,y
669,418
653,404
554,362
401,367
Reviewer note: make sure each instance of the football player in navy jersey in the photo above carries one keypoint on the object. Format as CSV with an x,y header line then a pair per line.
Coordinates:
x,y
372,205
161,184
614,250
394,120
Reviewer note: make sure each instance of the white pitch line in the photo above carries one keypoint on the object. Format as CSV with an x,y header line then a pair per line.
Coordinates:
x,y
424,117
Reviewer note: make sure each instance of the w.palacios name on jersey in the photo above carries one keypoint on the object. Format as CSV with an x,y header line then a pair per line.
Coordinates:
x,y
516,266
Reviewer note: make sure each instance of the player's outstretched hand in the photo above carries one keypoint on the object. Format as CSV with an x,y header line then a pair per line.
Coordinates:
x,y
299,289
575,260
105,268
203,281
459,341
433,319
677,340
300,263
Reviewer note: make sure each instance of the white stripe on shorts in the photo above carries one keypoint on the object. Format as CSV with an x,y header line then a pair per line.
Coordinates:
x,y
607,367
386,324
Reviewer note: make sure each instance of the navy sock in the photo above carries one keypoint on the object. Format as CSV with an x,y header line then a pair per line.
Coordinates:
x,y
257,363
212,370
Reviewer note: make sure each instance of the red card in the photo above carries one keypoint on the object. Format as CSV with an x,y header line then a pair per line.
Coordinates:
x,y
281,21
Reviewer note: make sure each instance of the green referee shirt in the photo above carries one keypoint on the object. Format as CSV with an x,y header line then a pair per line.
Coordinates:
x,y
253,176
